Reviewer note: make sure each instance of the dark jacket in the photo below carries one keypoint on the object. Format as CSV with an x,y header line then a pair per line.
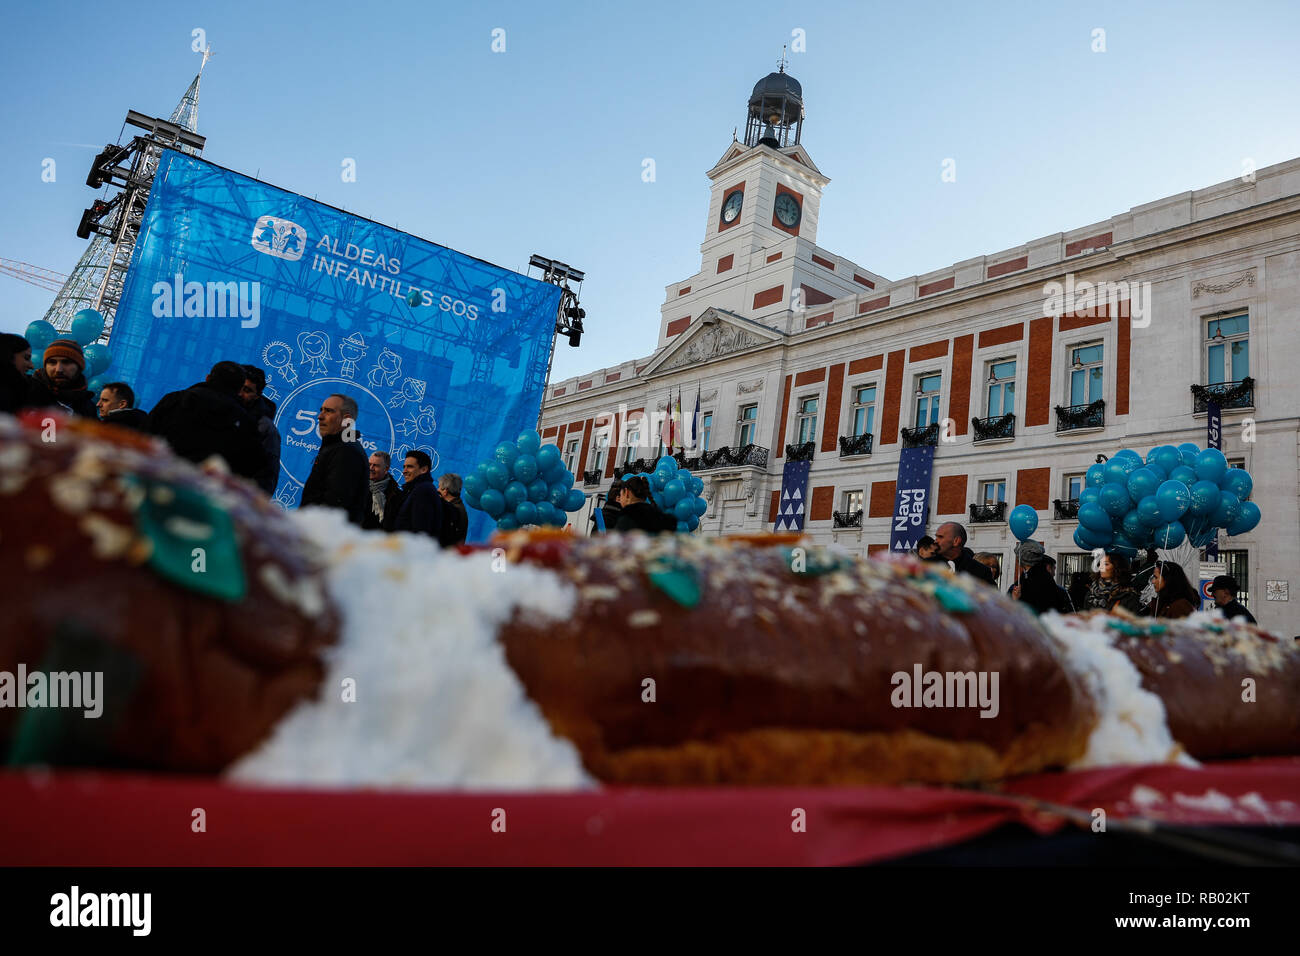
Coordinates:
x,y
1105,596
1039,591
1179,607
13,383
340,478
610,512
966,564
455,523
392,500
1235,608
269,437
644,516
137,419
74,397
200,421
421,510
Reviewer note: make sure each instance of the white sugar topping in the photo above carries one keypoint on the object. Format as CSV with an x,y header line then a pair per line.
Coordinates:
x,y
436,703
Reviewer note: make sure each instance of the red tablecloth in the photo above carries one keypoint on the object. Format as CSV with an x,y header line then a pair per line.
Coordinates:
x,y
92,819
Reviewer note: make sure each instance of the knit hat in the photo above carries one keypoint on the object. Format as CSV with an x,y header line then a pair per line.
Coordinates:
x,y
1029,553
66,349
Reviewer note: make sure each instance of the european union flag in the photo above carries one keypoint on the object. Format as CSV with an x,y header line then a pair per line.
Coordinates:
x,y
792,506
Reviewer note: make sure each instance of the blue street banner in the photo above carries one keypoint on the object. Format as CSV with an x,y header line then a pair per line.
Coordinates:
x,y
442,352
1213,439
792,505
911,498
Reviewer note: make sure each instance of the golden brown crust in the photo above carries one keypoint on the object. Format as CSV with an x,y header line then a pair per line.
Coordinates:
x,y
783,677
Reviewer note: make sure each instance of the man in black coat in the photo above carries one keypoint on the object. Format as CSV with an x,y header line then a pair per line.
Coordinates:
x,y
639,512
340,475
117,407
263,411
422,509
1224,591
207,419
385,493
951,539
15,363
455,520
61,381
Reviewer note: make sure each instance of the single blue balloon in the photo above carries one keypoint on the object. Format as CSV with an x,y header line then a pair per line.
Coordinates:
x,y
98,359
1246,519
1184,474
674,491
1149,512
683,527
1095,539
683,509
1170,535
1094,517
567,478
558,494
1123,547
1227,511
555,476
1160,473
1239,482
96,385
1095,476
1173,499
1142,482
574,501
39,335
1205,498
667,463
528,442
1022,521
87,325
497,476
538,490
525,468
546,513
684,475
1189,451
526,513
693,524
1133,527
701,506
507,523
1088,496
548,458
1211,465
1167,457
506,453
515,494
493,502
1114,499
474,485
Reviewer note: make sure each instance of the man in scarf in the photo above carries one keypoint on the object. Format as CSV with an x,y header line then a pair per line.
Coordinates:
x,y
61,381
384,491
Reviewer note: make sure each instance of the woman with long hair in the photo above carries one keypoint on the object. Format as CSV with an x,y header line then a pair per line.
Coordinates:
x,y
1111,586
1175,596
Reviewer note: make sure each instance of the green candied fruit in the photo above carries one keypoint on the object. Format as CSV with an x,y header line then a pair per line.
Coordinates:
x,y
954,599
676,578
194,541
1156,629
1124,627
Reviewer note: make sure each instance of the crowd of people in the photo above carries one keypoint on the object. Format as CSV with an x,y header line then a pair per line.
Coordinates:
x,y
228,416
1159,589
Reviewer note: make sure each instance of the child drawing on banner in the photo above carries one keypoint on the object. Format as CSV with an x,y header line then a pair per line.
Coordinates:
x,y
279,356
352,350
386,369
314,345
412,390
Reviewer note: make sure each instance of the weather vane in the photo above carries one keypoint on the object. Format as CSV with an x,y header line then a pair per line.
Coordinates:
x,y
782,70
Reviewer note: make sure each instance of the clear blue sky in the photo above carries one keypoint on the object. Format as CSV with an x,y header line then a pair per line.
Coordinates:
x,y
539,149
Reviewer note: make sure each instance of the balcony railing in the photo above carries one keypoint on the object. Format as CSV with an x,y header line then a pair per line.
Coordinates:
x,y
847,519
851,445
590,478
750,455
1064,510
690,464
1225,394
991,429
1070,417
988,512
801,452
916,437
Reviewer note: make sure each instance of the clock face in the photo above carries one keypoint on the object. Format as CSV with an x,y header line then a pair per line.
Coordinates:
x,y
731,208
787,210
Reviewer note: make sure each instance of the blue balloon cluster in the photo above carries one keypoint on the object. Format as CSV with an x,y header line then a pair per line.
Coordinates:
x,y
523,483
676,492
1183,493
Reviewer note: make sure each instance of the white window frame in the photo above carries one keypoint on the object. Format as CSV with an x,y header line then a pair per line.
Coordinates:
x,y
801,417
741,422
867,408
1208,342
1070,370
934,398
706,429
1065,484
1002,383
984,499
599,447
572,452
846,501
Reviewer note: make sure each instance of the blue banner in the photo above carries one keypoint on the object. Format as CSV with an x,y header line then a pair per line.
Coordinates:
x,y
911,498
442,352
1213,439
792,505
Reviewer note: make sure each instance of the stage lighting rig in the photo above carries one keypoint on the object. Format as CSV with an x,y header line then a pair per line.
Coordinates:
x,y
569,316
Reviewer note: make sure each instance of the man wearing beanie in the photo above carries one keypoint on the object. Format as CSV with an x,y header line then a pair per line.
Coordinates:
x,y
61,381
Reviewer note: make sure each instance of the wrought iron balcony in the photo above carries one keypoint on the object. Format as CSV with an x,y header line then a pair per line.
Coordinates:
x,y
916,437
1070,417
800,452
850,519
1224,394
851,445
690,464
1063,510
751,455
988,512
590,478
991,429
637,467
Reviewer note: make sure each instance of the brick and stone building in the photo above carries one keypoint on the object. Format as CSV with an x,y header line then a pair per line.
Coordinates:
x,y
795,350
